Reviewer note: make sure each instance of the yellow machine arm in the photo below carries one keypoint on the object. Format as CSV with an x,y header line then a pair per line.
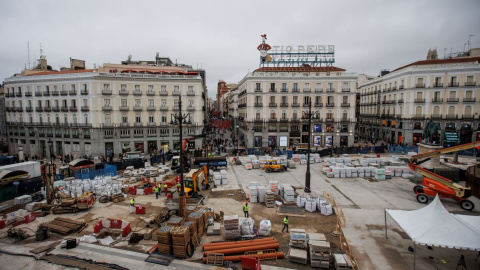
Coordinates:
x,y
436,153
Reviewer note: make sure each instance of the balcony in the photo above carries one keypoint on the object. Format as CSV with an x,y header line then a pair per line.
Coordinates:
x,y
295,105
419,100
420,85
63,92
163,93
18,94
258,90
345,90
284,90
469,99
318,90
125,135
272,90
329,119
318,105
150,93
401,87
394,88
190,108
73,109
438,85
137,92
436,116
468,116
305,105
151,108
283,104
124,108
106,92
283,120
295,90
106,108
124,124
38,93
190,93
258,105
398,116
28,94
29,109
330,90
7,95
258,121
437,100
272,105
39,109
272,120
138,124
47,109
176,93
453,84
418,116
345,105
466,84
151,124
85,108
55,93
400,100
344,119
123,92
307,90
452,99
164,108
451,116
329,105
137,108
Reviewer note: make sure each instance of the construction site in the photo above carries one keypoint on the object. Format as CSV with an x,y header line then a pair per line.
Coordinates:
x,y
252,212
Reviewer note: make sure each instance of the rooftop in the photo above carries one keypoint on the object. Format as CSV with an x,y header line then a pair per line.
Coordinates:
x,y
299,69
441,62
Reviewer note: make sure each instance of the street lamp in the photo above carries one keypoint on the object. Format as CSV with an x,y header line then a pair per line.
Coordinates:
x,y
50,144
238,127
179,119
308,115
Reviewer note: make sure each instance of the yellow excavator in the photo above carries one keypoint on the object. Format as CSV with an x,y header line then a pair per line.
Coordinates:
x,y
434,184
195,178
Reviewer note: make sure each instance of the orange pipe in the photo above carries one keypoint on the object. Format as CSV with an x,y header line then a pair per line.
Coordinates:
x,y
238,258
235,243
243,249
239,245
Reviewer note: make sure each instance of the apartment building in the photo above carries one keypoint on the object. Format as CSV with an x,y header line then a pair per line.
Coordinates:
x,y
113,109
273,101
397,106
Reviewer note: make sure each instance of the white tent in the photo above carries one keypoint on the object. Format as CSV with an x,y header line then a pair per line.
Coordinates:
x,y
433,225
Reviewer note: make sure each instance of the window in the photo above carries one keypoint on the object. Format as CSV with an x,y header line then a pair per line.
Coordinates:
x,y
138,119
257,115
163,88
106,102
284,100
72,87
151,119
295,100
108,119
85,118
345,99
164,118
152,131
284,87
176,88
329,115
295,87
150,88
57,119
64,87
284,115
84,87
73,102
273,115
151,103
124,119
307,86
85,102
330,100
258,100
123,87
138,103
190,88
163,102
330,87
294,115
257,87
272,100
306,100
272,87
47,103
345,115
318,99
124,103
64,103
39,103
65,118
318,87
137,88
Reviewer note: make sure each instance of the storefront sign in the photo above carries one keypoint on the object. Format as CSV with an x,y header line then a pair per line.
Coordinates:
x,y
451,137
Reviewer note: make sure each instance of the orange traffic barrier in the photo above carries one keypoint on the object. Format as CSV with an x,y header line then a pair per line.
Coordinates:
x,y
227,251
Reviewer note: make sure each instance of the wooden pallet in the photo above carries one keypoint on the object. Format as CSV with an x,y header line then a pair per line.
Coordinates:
x,y
267,254
215,259
64,226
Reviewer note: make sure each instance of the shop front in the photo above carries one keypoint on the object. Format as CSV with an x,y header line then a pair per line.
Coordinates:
x,y
152,147
417,138
344,140
466,133
272,141
294,139
451,139
108,149
257,141
139,147
126,147
400,138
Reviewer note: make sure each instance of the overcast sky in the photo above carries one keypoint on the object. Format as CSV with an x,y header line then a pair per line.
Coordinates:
x,y
222,36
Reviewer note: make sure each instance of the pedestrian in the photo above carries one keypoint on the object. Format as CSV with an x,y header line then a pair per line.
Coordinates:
x,y
245,209
285,223
155,189
132,205
165,188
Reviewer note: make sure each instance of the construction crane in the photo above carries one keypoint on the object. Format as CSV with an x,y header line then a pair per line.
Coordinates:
x,y
434,184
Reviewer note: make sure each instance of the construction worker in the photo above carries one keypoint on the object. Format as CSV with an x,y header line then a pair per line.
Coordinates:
x,y
178,187
285,223
155,189
165,188
245,209
132,205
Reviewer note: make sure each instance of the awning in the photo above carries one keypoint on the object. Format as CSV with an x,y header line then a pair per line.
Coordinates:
x,y
451,137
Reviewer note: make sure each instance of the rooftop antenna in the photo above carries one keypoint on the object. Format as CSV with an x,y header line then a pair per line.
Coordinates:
x,y
469,42
445,53
28,53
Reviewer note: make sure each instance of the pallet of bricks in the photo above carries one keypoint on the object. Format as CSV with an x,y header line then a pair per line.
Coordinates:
x,y
180,240
319,250
199,218
253,190
192,226
298,246
230,226
269,199
175,221
164,239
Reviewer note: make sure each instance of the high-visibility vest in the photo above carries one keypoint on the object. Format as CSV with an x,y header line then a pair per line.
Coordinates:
x,y
132,202
156,189
245,208
285,221
165,186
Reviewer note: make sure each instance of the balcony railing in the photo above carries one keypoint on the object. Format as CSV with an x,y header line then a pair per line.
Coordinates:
x,y
163,108
85,108
163,93
307,90
345,104
258,89
151,124
106,92
63,92
438,85
123,92
401,87
176,93
190,108
46,93
137,92
47,109
453,84
295,90
330,90
124,124
137,108
190,93
419,100
318,105
55,93
272,105
28,94
420,85
73,109
470,83
272,120
39,109
452,99
436,116
331,119
418,116
328,105
272,90
150,93
400,100
394,88
437,100
138,124
124,108
295,105
451,116
151,108
258,105
29,109
284,90
106,108
345,89
468,116
318,90
283,104
73,92
469,99
38,93
84,92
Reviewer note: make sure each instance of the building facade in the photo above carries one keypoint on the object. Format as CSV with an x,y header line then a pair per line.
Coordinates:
x,y
396,107
113,109
272,102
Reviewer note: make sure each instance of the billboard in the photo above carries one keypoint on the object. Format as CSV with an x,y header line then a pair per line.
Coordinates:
x,y
317,141
328,140
283,141
317,128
